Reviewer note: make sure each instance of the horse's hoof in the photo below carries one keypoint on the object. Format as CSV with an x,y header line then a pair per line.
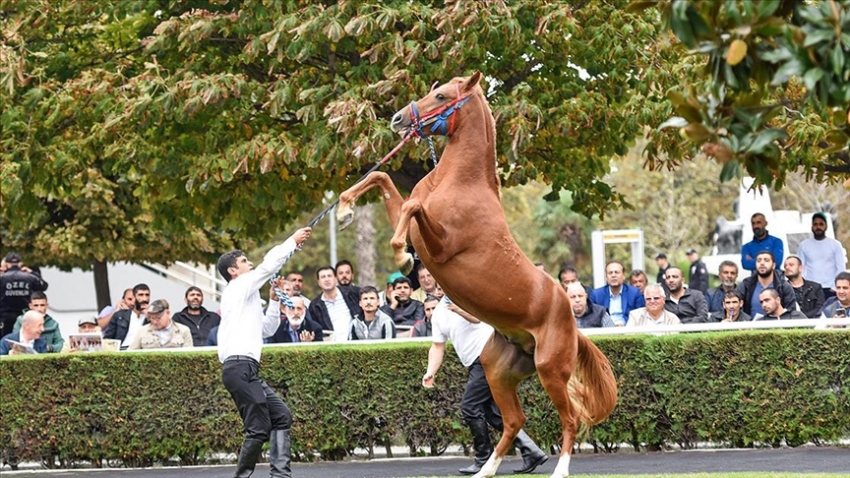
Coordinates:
x,y
407,266
344,218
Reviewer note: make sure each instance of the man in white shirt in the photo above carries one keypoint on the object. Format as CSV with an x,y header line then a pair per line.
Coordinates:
x,y
240,340
469,336
822,256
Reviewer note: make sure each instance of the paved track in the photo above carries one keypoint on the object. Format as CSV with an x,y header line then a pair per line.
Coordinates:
x,y
802,460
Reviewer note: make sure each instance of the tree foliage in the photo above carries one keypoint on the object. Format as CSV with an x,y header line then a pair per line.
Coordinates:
x,y
153,130
772,90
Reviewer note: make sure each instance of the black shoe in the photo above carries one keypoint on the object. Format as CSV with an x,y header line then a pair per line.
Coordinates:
x,y
532,455
471,469
248,456
481,444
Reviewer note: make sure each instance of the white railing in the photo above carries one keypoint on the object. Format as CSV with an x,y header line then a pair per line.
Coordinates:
x,y
191,275
825,324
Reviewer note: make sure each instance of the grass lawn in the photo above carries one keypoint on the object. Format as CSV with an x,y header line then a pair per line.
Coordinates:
x,y
696,475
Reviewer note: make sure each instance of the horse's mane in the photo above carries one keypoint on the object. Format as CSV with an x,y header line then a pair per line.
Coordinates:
x,y
486,112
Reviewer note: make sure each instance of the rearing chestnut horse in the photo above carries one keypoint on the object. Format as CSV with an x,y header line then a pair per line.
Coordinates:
x,y
455,221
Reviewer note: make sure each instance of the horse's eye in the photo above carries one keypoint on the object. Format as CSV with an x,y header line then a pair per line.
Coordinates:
x,y
440,96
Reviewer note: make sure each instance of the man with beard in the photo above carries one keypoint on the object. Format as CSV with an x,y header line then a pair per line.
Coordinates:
x,y
822,256
809,294
762,241
344,272
688,305
294,324
773,309
196,318
766,277
125,323
728,273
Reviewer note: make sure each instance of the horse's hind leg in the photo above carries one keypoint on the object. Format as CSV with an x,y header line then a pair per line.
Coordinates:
x,y
391,196
555,358
505,365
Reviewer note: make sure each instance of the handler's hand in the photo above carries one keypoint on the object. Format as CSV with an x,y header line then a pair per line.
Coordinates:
x,y
302,235
428,380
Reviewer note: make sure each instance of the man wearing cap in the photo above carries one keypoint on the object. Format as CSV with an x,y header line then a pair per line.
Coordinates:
x,y
161,332
16,286
697,275
50,333
86,325
240,342
822,256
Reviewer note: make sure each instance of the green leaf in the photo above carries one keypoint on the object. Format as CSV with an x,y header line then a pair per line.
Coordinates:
x,y
818,36
786,71
812,77
766,138
765,8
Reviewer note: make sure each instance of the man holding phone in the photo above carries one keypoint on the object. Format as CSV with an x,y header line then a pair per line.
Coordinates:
x,y
838,309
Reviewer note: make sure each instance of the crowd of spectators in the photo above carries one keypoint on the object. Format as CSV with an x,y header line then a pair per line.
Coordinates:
x,y
811,284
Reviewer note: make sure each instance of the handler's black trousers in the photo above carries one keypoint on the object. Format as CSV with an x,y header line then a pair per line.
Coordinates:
x,y
477,402
260,408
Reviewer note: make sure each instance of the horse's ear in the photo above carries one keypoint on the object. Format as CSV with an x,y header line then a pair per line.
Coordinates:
x,y
472,81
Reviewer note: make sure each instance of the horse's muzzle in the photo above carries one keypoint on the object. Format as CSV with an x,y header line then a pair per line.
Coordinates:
x,y
400,122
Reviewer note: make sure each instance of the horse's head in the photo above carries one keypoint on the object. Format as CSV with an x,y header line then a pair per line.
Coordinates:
x,y
437,109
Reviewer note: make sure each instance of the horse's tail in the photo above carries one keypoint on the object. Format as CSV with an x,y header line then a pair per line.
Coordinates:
x,y
593,387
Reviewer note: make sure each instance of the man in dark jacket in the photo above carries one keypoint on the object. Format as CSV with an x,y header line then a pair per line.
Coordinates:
x,y
809,294
125,323
16,286
688,305
195,317
698,274
295,326
766,277
587,313
343,301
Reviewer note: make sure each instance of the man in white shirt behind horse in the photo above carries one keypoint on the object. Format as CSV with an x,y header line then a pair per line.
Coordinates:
x,y
240,340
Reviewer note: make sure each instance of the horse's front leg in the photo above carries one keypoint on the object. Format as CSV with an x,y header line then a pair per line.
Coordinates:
x,y
404,259
391,196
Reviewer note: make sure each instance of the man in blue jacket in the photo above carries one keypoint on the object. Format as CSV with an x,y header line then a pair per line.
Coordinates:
x,y
762,241
617,297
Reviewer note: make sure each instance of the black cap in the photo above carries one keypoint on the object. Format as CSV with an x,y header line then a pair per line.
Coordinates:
x,y
691,251
817,215
12,258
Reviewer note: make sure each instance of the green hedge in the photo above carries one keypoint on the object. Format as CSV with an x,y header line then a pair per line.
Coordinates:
x,y
735,389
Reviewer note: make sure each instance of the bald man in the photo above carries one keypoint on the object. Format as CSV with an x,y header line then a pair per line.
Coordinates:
x,y
32,325
587,313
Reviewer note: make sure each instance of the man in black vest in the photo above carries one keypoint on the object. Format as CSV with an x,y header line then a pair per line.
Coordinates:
x,y
587,313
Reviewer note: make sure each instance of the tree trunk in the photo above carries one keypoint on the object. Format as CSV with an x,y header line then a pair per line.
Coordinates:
x,y
101,284
365,252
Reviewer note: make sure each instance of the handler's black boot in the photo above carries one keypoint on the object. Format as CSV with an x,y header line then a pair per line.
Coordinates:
x,y
481,444
279,454
532,455
248,456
